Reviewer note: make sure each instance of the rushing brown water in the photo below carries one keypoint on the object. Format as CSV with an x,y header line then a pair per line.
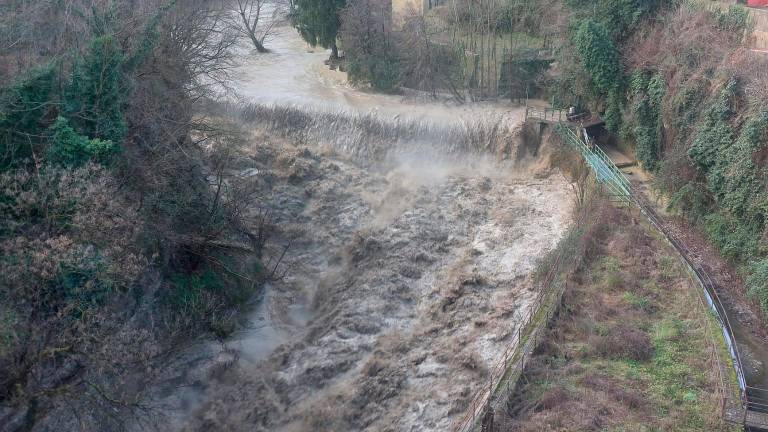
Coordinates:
x,y
293,73
408,271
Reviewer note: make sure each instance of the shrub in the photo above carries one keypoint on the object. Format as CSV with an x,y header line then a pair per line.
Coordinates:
x,y
68,241
668,269
598,55
637,302
620,17
714,133
209,297
734,21
612,278
737,240
612,114
648,93
625,342
186,290
737,183
97,91
692,200
69,148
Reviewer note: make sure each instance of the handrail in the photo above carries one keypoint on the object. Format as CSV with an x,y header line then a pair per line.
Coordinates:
x,y
620,187
605,170
546,114
713,299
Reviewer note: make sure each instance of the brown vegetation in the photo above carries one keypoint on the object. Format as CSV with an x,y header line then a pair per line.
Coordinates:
x,y
105,267
629,350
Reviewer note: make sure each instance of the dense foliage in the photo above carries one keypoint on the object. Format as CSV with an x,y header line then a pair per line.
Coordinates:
x,y
370,45
647,94
97,91
111,209
318,22
24,106
598,56
620,17
684,97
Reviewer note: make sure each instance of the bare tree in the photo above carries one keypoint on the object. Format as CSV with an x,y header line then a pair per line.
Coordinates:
x,y
431,66
258,19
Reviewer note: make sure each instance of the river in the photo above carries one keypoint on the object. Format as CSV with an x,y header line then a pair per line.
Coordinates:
x,y
410,262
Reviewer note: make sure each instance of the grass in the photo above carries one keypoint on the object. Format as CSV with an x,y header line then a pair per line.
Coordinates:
x,y
630,352
636,301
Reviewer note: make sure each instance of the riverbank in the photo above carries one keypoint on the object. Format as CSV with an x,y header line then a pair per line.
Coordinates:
x,y
631,348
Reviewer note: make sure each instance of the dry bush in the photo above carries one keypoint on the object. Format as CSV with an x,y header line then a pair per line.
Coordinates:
x,y
597,229
624,342
754,69
69,264
573,416
632,398
689,44
552,398
634,248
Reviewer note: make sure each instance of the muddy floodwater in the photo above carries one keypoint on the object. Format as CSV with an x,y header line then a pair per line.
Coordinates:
x,y
293,73
408,271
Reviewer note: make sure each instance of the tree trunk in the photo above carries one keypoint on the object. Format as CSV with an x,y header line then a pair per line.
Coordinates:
x,y
259,45
251,30
334,51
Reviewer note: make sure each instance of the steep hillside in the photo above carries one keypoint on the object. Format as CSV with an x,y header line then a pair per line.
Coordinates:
x,y
679,85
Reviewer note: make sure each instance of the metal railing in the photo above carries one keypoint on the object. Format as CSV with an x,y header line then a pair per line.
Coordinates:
x,y
546,114
706,283
752,399
606,172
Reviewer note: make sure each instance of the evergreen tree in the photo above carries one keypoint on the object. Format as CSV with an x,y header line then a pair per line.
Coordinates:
x,y
599,56
318,22
97,93
23,108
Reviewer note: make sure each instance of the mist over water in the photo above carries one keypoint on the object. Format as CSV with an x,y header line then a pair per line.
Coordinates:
x,y
414,227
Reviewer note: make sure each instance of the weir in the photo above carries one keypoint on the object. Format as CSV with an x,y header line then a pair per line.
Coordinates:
x,y
751,408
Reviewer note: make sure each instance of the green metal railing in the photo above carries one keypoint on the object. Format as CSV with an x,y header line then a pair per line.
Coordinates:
x,y
606,172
